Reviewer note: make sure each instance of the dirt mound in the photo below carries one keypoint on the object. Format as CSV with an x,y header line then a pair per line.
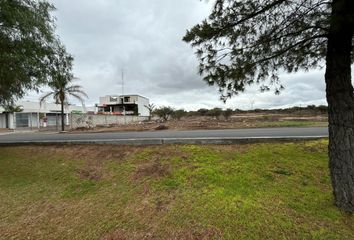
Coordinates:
x,y
161,127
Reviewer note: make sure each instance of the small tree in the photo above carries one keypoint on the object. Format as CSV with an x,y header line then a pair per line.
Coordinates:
x,y
150,107
61,83
215,112
164,112
178,114
9,108
203,111
227,113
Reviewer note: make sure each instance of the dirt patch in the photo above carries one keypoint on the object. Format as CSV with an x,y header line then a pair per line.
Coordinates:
x,y
121,234
167,152
233,148
197,233
101,152
86,152
5,130
90,173
116,235
153,169
192,233
161,127
315,149
94,157
93,166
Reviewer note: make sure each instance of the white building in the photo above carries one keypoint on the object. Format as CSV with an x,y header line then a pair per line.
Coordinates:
x,y
34,115
124,105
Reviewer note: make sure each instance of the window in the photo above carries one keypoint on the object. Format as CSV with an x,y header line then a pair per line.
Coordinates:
x,y
113,99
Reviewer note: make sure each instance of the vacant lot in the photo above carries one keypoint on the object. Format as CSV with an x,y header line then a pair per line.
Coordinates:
x,y
259,191
237,121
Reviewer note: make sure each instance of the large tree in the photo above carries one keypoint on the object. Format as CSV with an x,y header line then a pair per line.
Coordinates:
x,y
60,82
27,46
251,41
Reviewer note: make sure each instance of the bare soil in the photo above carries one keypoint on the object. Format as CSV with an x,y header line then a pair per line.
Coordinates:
x,y
237,121
5,130
152,169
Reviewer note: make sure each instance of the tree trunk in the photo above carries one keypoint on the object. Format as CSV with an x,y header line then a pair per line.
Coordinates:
x,y
7,125
62,117
340,100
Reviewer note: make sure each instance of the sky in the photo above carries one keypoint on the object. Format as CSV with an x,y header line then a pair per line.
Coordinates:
x,y
143,39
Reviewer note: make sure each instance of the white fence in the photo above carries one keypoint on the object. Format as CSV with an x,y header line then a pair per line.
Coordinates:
x,y
92,121
52,121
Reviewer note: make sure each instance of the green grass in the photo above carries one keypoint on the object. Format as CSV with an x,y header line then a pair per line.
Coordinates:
x,y
259,191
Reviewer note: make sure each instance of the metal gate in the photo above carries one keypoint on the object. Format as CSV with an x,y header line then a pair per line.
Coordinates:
x,y
38,121
26,121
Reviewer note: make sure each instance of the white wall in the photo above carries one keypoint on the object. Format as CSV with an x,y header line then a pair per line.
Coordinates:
x,y
139,100
11,121
2,121
108,100
142,102
91,121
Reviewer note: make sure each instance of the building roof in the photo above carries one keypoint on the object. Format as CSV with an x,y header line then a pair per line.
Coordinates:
x,y
34,107
126,95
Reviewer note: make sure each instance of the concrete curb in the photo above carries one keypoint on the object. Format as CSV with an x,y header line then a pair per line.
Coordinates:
x,y
173,141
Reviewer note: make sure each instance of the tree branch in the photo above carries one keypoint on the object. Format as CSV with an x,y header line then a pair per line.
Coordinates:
x,y
252,15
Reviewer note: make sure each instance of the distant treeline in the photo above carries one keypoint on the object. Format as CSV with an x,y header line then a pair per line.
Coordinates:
x,y
310,109
166,113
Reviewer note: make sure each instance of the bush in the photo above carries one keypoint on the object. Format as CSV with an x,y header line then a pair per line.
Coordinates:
x,y
323,108
178,114
227,113
215,112
161,127
164,112
203,112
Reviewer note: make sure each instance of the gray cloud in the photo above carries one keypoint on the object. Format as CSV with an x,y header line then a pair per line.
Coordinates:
x,y
144,38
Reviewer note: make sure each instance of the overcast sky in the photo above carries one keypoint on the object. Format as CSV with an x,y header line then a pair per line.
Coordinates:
x,y
144,38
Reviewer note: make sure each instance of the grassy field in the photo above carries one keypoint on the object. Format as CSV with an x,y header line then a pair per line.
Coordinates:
x,y
259,191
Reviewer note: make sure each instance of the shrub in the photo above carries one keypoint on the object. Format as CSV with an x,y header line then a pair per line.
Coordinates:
x,y
215,112
227,113
164,112
178,114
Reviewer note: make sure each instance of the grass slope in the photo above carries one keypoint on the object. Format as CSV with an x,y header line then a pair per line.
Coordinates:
x,y
259,191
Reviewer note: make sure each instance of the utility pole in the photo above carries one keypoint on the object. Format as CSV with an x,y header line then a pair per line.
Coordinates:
x,y
125,120
123,82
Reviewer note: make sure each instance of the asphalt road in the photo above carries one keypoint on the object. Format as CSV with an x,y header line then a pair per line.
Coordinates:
x,y
121,137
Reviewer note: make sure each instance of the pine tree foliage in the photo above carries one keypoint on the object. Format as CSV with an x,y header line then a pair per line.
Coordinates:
x,y
246,42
